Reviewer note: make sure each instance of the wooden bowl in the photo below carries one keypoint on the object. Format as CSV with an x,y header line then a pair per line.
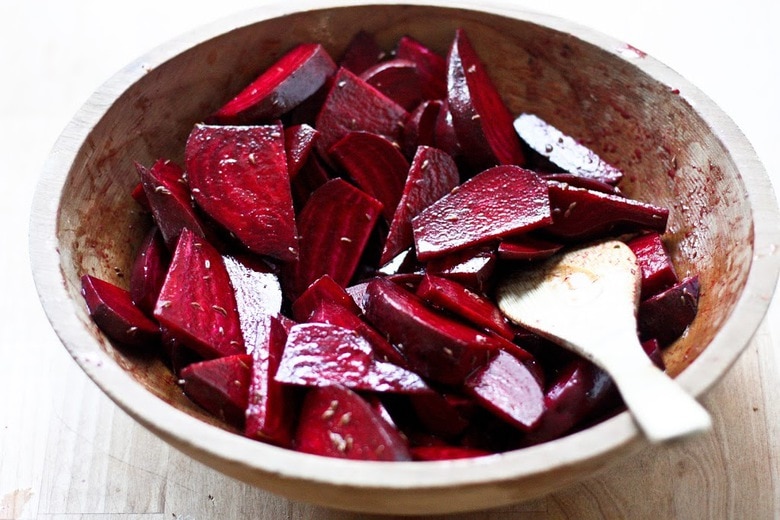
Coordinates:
x,y
679,150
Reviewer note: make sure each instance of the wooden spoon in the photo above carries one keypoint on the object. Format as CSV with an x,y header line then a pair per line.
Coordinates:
x,y
586,300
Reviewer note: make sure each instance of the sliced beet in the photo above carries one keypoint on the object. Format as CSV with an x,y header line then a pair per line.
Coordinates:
x,y
434,345
220,386
444,135
653,350
322,289
258,295
271,406
500,201
238,175
509,389
375,165
169,199
334,227
337,422
462,302
328,311
149,270
321,354
354,105
431,67
481,120
580,214
362,52
432,175
139,195
444,414
582,182
420,127
666,315
281,87
471,267
446,452
311,176
397,79
197,303
115,314
525,247
298,144
563,150
654,262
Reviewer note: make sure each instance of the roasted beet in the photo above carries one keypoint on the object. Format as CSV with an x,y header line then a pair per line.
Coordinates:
x,y
361,53
298,144
655,263
666,315
420,127
500,201
238,175
149,269
220,386
322,289
431,67
471,267
397,79
525,247
281,87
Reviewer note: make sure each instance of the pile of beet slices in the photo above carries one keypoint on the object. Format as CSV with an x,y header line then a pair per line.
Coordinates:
x,y
319,270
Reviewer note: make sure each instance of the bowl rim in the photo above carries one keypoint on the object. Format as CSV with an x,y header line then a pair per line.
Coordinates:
x,y
219,447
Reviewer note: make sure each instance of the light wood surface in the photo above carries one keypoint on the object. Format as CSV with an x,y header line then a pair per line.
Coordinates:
x,y
67,452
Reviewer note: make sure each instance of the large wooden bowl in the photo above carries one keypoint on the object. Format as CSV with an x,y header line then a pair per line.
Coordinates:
x,y
678,149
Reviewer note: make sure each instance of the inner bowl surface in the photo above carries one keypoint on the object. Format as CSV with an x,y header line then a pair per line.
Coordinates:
x,y
677,148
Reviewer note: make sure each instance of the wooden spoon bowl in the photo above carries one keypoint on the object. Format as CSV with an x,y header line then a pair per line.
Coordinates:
x,y
679,150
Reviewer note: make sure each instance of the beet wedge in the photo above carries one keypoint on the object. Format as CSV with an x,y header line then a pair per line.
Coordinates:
x,y
362,52
335,226
563,150
169,200
321,354
220,386
354,105
149,269
462,302
525,247
431,175
281,87
298,143
481,120
431,67
655,263
473,267
114,313
397,79
238,175
506,387
271,406
420,127
434,345
665,316
337,422
197,303
375,165
322,289
580,214
500,201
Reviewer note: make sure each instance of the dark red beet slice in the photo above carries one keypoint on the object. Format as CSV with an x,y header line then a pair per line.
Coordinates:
x,y
169,199
657,270
653,350
197,302
149,269
472,267
564,151
139,195
435,346
335,226
446,452
579,389
238,175
420,127
431,67
481,120
113,312
271,407
462,302
175,353
375,164
666,315
432,175
258,294
321,354
580,214
506,387
337,422
500,201
444,134
443,414
281,87
311,176
354,105
362,52
397,79
298,144
524,247
336,314
322,289
220,386
582,182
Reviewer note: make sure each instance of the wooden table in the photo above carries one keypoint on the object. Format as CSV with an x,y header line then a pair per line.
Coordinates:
x,y
67,452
